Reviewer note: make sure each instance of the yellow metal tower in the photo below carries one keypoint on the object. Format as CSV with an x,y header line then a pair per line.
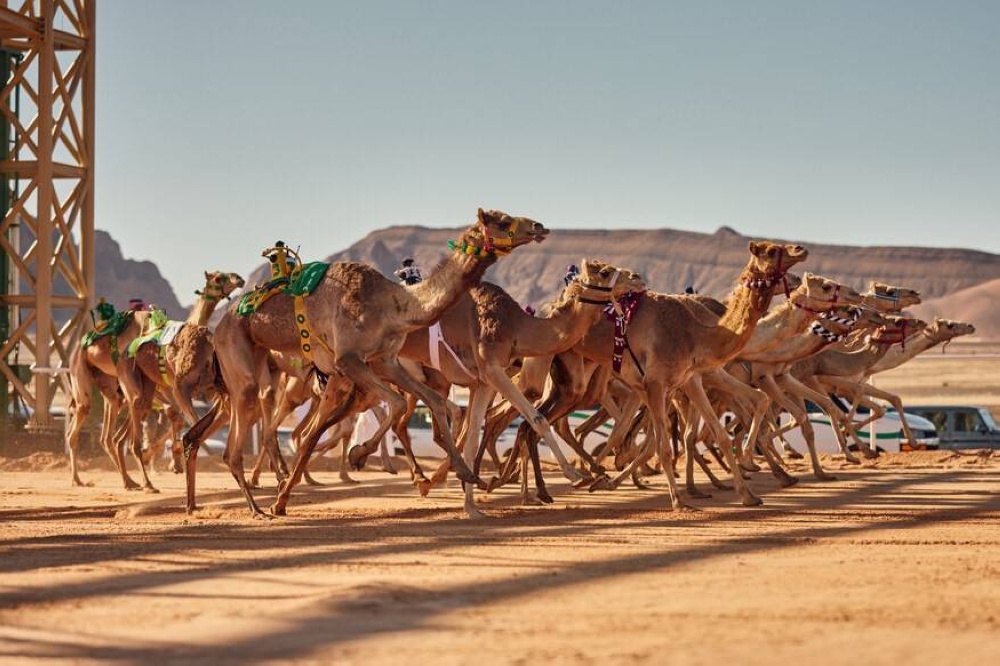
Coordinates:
x,y
47,198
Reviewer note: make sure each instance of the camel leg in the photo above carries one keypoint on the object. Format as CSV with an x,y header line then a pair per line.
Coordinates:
x,y
695,392
333,406
796,408
803,392
480,397
499,380
395,373
192,440
138,394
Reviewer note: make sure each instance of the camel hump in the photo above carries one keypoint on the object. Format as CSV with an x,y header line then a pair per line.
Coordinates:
x,y
676,308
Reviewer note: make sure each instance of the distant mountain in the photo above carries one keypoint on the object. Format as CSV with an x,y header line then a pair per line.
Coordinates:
x,y
119,279
670,260
976,305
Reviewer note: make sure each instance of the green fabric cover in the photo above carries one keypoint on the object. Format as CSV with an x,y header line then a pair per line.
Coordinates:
x,y
303,284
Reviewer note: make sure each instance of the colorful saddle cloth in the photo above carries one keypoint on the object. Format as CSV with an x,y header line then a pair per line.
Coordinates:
x,y
161,331
111,327
300,283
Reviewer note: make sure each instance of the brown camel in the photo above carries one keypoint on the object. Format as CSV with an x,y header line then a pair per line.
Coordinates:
x,y
178,368
487,331
356,320
672,341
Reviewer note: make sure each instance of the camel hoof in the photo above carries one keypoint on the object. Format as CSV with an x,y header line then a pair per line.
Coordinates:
x,y
276,510
191,509
694,493
311,481
495,482
681,507
260,515
583,483
357,457
345,478
388,468
133,489
423,486
80,484
749,466
640,485
825,477
603,483
719,485
787,481
793,454
150,490
544,497
752,500
466,476
475,514
851,458
869,454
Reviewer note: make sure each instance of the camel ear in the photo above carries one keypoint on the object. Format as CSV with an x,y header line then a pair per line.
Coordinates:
x,y
482,216
206,275
755,248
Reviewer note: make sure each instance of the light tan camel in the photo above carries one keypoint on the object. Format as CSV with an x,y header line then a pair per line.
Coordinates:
x,y
96,366
178,369
359,320
673,341
488,331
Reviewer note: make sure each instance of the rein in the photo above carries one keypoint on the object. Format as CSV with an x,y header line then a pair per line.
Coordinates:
x,y
621,313
772,279
501,246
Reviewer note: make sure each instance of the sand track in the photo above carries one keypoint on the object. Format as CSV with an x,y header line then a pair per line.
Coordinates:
x,y
895,561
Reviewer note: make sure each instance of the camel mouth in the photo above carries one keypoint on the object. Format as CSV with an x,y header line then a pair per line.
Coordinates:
x,y
539,235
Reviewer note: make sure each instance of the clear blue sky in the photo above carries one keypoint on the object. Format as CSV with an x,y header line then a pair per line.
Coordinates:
x,y
225,125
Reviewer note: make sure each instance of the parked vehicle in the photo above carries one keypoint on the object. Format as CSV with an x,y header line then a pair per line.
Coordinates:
x,y
961,426
888,432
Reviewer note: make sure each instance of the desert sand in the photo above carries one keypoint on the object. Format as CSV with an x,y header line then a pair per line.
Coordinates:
x,y
897,561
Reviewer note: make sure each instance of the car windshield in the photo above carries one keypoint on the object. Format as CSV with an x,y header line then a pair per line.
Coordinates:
x,y
988,418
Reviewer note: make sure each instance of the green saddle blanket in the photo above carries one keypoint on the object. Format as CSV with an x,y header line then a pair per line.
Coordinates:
x,y
108,327
162,335
302,283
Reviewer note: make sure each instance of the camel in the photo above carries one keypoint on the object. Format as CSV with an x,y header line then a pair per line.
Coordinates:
x,y
354,323
178,368
487,331
843,375
672,341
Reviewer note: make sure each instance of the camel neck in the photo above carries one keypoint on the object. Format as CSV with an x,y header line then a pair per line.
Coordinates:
x,y
202,311
560,331
777,327
746,306
452,278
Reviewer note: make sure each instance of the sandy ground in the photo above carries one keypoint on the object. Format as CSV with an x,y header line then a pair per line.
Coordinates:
x,y
897,561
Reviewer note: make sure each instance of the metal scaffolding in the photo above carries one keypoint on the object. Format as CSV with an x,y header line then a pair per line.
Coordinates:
x,y
47,174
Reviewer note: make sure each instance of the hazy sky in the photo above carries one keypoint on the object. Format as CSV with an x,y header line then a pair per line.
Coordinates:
x,y
225,125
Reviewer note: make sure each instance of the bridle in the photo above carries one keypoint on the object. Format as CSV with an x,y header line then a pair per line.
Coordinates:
x,y
501,246
817,328
215,292
607,300
821,313
771,280
901,331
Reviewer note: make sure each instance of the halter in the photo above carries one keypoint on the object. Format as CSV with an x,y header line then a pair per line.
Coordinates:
x,y
595,287
501,246
895,300
770,280
817,328
822,313
215,292
498,247
902,335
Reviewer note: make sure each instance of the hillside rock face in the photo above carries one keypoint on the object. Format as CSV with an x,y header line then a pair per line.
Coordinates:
x,y
670,260
976,305
118,279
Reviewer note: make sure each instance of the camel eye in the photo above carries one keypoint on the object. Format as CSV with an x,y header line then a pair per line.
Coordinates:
x,y
770,252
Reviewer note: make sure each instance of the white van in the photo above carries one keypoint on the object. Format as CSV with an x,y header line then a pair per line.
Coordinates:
x,y
888,432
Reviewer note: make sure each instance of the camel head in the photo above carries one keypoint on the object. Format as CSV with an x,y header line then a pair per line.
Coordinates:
x,y
499,233
219,285
889,298
770,261
897,329
817,293
942,330
793,280
600,282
